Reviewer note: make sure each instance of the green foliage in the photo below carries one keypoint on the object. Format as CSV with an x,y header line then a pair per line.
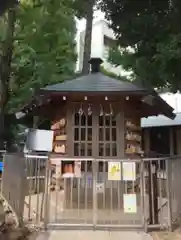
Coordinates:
x,y
113,75
44,47
11,130
152,30
43,53
81,7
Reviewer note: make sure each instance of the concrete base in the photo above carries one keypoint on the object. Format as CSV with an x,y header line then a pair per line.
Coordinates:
x,y
89,235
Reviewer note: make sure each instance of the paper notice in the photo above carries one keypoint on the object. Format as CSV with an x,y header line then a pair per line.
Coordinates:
x,y
114,171
129,203
129,171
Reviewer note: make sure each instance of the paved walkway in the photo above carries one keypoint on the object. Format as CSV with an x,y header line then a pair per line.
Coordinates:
x,y
90,235
176,235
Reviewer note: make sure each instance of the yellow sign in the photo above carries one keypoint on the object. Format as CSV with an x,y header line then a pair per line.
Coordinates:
x,y
114,171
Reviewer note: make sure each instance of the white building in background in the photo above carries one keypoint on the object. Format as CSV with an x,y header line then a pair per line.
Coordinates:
x,y
102,39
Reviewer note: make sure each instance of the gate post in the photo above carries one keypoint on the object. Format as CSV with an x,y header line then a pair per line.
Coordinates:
x,y
142,192
94,189
47,194
168,187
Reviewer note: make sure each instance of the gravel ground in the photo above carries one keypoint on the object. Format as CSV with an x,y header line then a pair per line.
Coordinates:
x,y
165,235
8,229
176,235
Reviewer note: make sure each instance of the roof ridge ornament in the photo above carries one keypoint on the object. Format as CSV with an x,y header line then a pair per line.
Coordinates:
x,y
95,64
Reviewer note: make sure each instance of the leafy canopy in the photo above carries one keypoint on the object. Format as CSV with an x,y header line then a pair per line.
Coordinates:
x,y
152,30
44,47
43,53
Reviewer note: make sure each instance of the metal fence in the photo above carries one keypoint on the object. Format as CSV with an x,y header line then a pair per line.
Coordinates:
x,y
35,191
174,190
93,200
14,183
144,196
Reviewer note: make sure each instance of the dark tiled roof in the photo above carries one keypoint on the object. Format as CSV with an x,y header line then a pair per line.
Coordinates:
x,y
96,82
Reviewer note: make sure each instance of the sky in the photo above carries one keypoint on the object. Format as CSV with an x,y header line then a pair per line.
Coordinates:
x,y
81,23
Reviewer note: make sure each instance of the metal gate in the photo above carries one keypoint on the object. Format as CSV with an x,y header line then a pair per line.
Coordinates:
x,y
94,193
95,197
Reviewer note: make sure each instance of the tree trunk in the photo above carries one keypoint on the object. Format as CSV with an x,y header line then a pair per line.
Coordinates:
x,y
5,4
88,36
5,69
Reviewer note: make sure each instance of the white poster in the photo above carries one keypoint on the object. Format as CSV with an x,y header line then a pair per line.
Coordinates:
x,y
129,201
114,171
129,171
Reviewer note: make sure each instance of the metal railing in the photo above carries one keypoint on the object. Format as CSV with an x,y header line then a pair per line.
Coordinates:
x,y
144,196
174,190
35,192
93,200
14,184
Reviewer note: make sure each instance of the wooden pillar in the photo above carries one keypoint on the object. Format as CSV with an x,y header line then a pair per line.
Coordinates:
x,y
149,194
152,181
121,149
154,168
35,165
146,141
147,150
171,136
